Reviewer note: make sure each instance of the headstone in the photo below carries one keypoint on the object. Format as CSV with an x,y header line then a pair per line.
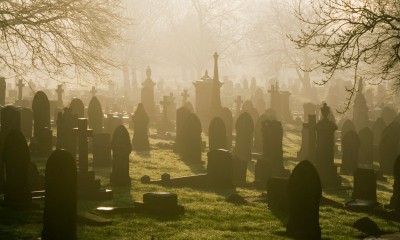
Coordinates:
x,y
16,158
191,139
140,140
325,150
27,122
378,127
395,199
388,114
59,217
364,192
101,149
360,112
389,147
304,189
3,86
165,125
60,92
83,133
239,103
95,115
217,134
366,151
226,116
309,108
77,107
258,139
147,94
42,134
121,148
171,111
278,198
160,203
185,95
219,168
347,127
20,86
350,149
66,138
181,114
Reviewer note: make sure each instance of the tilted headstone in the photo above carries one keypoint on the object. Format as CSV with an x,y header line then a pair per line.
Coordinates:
x,y
16,158
191,139
366,151
389,147
140,139
258,138
351,146
60,208
217,134
304,189
121,148
102,149
95,115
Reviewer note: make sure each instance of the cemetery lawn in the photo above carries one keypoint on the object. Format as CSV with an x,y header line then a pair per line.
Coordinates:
x,y
207,214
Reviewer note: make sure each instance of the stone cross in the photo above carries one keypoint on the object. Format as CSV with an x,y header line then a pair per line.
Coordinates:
x,y
185,95
93,91
59,92
164,103
20,86
82,132
239,103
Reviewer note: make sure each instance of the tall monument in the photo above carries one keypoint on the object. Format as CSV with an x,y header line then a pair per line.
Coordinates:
x,y
147,96
360,112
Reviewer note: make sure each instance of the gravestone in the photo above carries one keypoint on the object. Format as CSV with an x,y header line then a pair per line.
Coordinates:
x,y
121,148
111,123
309,108
388,114
304,189
171,112
360,109
59,217
278,198
395,199
347,127
140,139
378,127
325,150
83,133
389,147
258,139
66,138
219,168
217,134
242,151
3,86
185,95
191,139
20,86
351,146
226,116
181,114
239,103
102,149
42,135
95,115
165,125
60,92
77,107
366,151
364,191
16,158
27,122
147,95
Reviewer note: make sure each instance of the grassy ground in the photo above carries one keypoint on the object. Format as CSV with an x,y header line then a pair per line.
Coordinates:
x,y
207,216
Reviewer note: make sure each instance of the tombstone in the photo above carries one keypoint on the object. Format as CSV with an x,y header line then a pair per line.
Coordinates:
x,y
239,103
20,86
42,134
60,92
304,190
165,125
185,95
360,109
378,127
350,149
395,199
16,158
3,86
121,148
26,122
226,116
258,139
389,147
249,108
66,138
60,208
147,95
309,108
191,139
217,134
140,140
111,123
102,149
278,198
77,107
171,111
83,133
366,151
219,168
347,127
181,114
388,114
242,151
95,115
364,191
93,91
325,150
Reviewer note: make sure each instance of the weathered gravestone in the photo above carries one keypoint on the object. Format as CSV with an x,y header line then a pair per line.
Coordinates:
x,y
59,217
243,146
147,95
366,151
388,114
395,199
42,135
66,138
351,145
278,198
111,123
258,136
121,148
360,109
347,127
378,127
304,189
308,140
325,150
140,139
95,115
309,109
102,149
16,158
389,147
3,86
181,114
165,125
160,203
217,134
226,116
27,122
77,107
191,138
364,191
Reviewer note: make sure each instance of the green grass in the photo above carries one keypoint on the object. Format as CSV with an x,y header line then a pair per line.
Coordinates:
x,y
207,216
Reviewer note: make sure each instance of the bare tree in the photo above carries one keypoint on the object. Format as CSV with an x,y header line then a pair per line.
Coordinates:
x,y
361,36
59,37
